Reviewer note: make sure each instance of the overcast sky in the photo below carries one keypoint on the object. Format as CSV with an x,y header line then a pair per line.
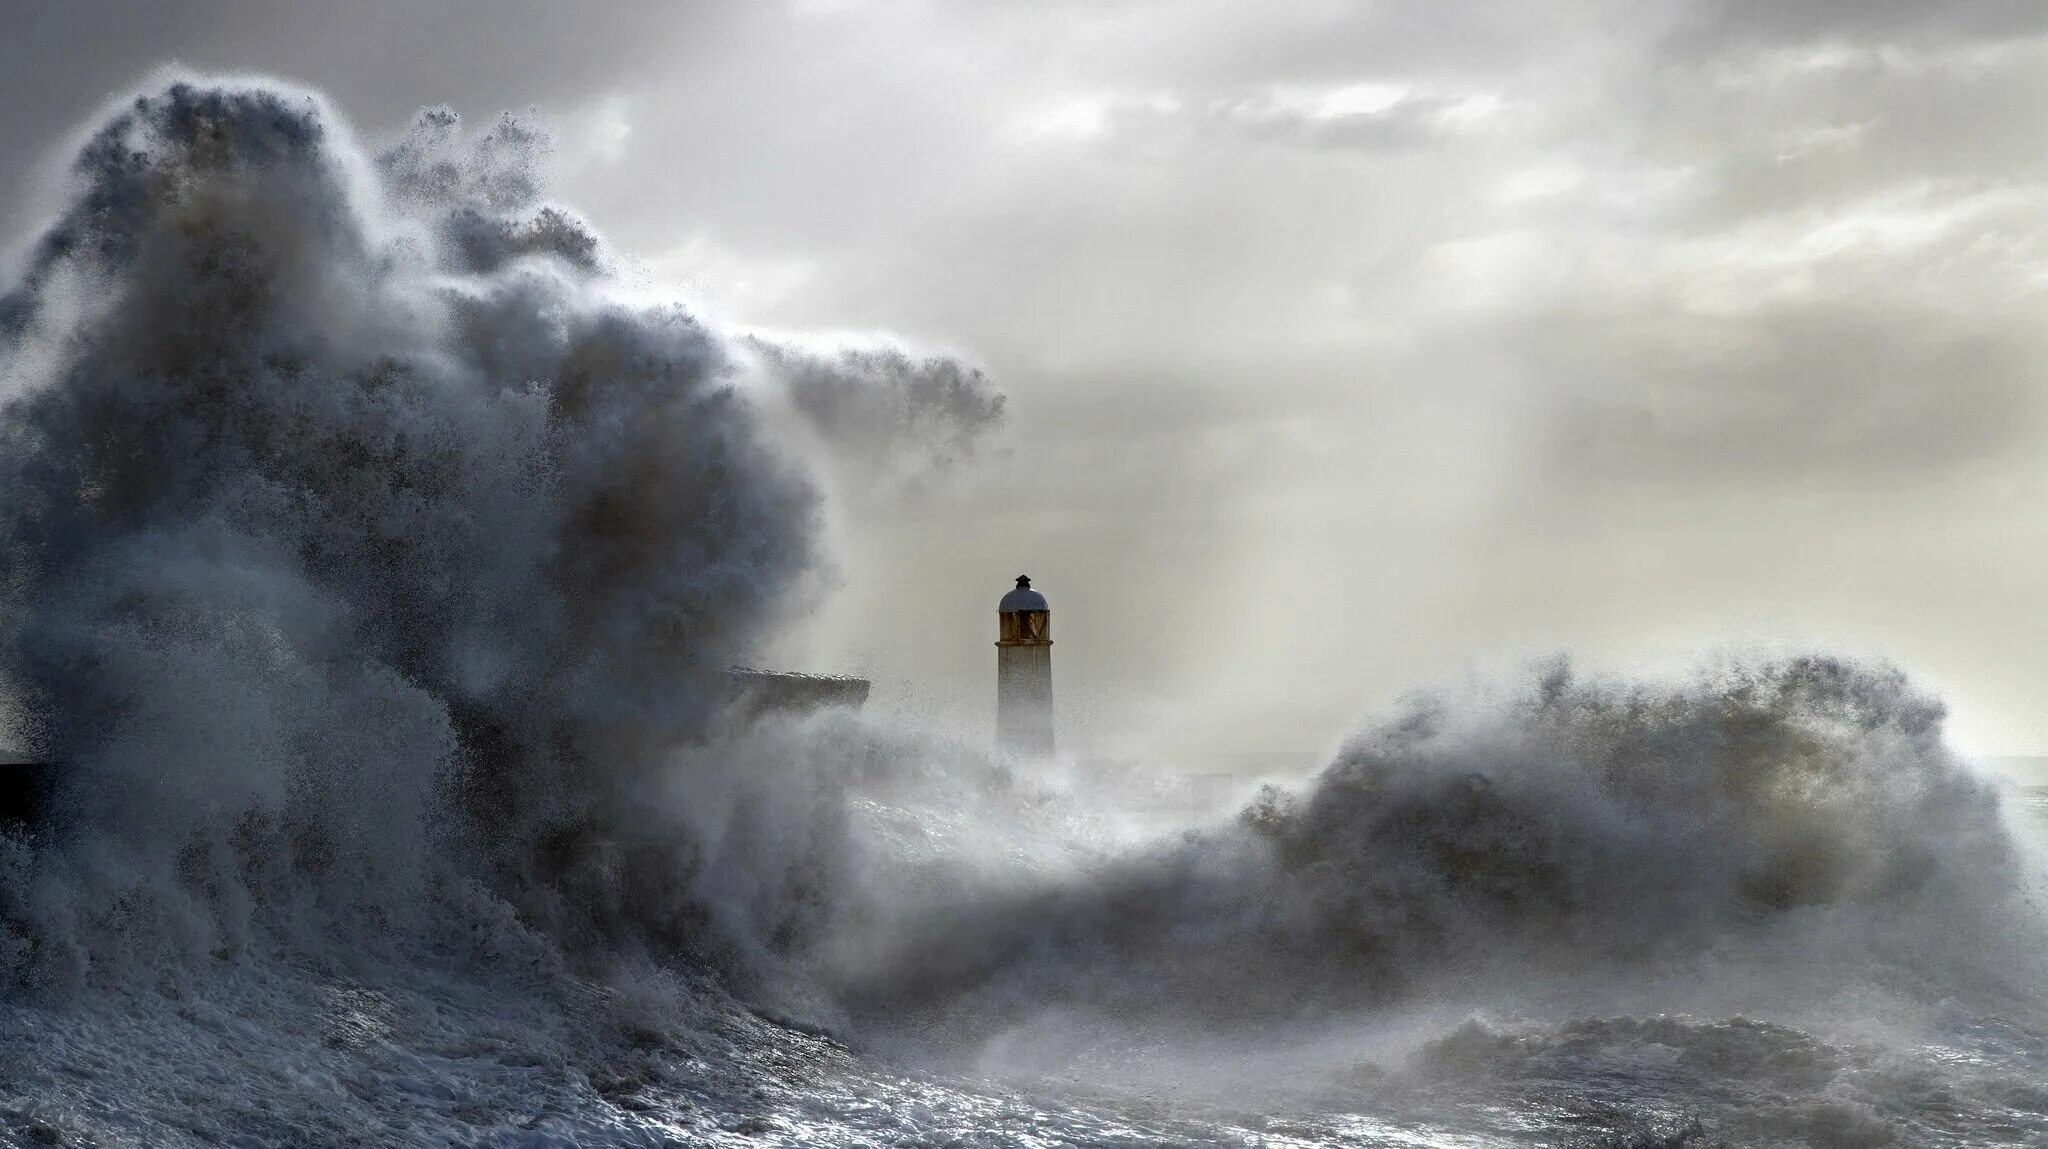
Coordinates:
x,y
1348,345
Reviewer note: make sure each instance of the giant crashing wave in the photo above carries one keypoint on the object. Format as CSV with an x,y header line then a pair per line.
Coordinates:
x,y
370,562
363,539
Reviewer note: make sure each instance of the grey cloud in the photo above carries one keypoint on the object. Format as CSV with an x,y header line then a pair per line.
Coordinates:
x,y
1409,121
1761,138
381,59
1228,45
1718,25
1154,126
1820,396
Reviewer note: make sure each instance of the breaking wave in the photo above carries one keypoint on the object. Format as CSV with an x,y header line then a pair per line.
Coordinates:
x,y
369,565
355,525
1737,840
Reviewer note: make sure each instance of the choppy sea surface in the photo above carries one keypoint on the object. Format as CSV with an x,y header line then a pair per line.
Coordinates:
x,y
295,1052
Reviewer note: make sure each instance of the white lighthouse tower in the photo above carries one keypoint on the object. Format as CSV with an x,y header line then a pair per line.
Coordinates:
x,y
1024,672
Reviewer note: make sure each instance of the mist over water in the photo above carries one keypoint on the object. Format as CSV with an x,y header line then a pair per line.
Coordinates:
x,y
370,560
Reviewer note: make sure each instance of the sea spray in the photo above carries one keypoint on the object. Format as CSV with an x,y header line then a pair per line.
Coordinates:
x,y
1751,838
359,538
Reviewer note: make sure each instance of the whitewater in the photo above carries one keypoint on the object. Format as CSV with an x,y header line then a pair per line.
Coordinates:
x,y
371,552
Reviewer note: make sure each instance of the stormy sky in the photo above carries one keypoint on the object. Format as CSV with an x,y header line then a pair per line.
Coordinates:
x,y
1348,346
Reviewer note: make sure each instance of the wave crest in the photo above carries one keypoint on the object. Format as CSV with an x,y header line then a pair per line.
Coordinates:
x,y
1582,837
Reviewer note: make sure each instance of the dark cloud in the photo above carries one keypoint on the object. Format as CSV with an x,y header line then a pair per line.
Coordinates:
x,y
382,59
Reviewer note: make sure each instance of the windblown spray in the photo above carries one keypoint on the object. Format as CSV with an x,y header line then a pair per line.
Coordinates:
x,y
351,510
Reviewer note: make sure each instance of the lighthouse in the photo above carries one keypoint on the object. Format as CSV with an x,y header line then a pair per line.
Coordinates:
x,y
1024,672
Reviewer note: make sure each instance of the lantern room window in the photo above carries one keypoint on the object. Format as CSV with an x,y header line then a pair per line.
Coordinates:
x,y
1025,626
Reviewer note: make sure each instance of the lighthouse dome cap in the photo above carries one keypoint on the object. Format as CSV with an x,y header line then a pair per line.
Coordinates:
x,y
1022,598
